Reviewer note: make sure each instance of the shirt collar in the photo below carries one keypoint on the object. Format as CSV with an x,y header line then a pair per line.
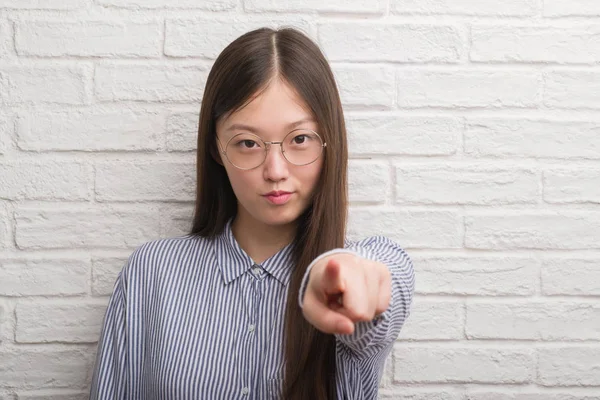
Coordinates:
x,y
234,262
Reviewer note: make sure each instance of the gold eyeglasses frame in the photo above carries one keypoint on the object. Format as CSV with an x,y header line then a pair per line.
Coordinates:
x,y
268,146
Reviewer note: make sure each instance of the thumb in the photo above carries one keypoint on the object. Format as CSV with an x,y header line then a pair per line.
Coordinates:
x,y
332,278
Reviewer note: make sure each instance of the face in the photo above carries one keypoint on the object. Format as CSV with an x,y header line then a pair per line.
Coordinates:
x,y
271,116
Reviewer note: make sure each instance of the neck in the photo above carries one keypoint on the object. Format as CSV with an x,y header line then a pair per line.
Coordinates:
x,y
260,241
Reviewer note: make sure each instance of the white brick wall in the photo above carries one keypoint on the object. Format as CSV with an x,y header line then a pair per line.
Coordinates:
x,y
475,141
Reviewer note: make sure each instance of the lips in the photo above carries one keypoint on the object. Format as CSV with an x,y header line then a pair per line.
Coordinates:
x,y
277,193
278,197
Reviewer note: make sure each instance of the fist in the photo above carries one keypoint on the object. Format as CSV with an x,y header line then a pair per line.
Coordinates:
x,y
344,289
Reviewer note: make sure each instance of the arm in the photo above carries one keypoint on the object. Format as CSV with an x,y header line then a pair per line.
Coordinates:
x,y
110,370
370,255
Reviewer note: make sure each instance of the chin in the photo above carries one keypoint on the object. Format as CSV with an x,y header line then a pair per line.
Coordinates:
x,y
278,220
279,216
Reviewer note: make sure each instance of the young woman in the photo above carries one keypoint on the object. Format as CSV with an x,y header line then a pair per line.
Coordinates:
x,y
264,299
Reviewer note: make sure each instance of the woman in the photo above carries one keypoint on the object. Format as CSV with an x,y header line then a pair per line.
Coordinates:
x,y
264,299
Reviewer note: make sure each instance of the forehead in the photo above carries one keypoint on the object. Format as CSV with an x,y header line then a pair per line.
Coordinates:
x,y
273,111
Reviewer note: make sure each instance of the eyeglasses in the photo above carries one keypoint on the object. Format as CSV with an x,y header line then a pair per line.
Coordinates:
x,y
248,151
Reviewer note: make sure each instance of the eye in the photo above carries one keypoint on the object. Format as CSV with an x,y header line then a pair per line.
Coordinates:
x,y
247,143
300,139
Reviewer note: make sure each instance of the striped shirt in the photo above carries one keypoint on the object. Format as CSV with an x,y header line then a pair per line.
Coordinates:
x,y
196,318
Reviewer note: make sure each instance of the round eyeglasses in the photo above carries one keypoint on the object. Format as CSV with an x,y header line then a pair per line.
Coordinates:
x,y
299,147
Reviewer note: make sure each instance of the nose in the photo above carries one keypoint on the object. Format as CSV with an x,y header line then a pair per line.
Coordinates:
x,y
275,165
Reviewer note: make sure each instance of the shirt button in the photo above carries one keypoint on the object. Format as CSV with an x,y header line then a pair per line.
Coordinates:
x,y
257,271
251,328
245,391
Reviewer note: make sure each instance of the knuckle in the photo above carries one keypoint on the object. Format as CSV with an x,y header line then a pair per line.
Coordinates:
x,y
362,316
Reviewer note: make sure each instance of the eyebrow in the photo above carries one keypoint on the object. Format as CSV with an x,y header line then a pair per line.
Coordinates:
x,y
256,130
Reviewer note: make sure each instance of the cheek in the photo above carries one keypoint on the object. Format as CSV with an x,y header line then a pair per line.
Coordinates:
x,y
241,181
311,173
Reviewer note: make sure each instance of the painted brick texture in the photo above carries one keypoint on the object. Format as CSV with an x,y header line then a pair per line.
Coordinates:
x,y
474,139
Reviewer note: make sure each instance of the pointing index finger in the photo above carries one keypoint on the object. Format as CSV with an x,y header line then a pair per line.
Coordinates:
x,y
333,282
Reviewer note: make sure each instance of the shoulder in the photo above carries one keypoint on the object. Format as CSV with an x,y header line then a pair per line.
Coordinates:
x,y
167,245
159,253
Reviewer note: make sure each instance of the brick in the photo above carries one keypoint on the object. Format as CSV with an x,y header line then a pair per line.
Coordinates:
x,y
382,134
578,44
88,38
434,320
569,366
135,181
571,277
566,230
85,227
49,276
207,37
466,184
479,276
53,394
105,130
377,41
506,8
468,88
344,6
4,323
5,227
411,229
408,393
43,4
104,274
6,43
583,8
176,219
57,321
572,186
522,137
533,320
39,85
213,5
182,131
6,132
365,85
572,89
151,83
7,324
44,180
368,181
50,368
427,364
535,393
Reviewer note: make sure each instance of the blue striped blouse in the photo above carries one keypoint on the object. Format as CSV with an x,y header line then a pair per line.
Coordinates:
x,y
196,318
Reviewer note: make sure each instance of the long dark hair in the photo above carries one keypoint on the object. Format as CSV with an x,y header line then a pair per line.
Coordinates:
x,y
244,68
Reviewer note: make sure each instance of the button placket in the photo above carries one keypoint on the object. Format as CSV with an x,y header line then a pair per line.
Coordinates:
x,y
251,341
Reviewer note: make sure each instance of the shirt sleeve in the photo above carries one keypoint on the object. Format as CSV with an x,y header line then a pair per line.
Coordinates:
x,y
371,336
110,370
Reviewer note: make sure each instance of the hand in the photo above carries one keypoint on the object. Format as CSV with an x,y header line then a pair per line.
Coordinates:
x,y
344,289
